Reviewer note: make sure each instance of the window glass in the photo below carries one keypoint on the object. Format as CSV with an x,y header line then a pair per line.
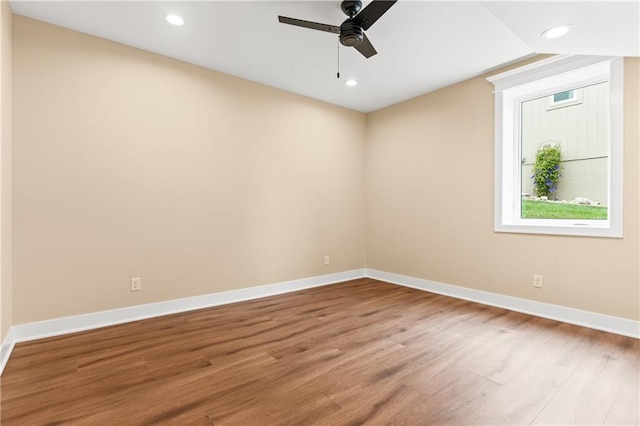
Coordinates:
x,y
565,156
563,96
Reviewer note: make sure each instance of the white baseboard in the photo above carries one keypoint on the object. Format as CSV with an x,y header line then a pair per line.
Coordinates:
x,y
66,325
6,348
611,324
60,326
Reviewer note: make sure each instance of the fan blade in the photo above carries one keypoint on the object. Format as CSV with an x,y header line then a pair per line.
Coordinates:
x,y
370,14
308,24
365,47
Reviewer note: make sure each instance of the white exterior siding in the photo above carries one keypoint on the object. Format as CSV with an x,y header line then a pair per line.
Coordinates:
x,y
580,127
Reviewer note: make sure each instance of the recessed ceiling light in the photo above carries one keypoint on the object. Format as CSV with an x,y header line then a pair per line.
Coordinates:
x,y
351,83
557,31
175,19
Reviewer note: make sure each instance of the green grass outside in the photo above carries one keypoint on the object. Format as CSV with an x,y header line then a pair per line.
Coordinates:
x,y
545,210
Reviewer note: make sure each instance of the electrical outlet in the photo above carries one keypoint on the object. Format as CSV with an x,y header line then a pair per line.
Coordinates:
x,y
135,284
326,260
537,281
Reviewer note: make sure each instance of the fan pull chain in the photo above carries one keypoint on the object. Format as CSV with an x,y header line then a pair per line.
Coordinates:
x,y
338,53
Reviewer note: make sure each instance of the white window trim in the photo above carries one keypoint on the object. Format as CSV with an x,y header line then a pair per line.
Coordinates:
x,y
511,88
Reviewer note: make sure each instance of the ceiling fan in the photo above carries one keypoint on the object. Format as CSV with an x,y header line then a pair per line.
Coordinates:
x,y
352,30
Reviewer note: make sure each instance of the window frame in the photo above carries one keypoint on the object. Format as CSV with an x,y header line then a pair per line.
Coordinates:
x,y
543,78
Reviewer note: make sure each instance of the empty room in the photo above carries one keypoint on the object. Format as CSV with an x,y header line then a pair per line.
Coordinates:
x,y
320,212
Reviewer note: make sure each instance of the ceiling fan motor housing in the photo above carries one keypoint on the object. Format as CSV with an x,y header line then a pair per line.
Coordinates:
x,y
351,34
351,7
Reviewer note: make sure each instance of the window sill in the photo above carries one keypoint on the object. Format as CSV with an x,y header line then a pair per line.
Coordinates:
x,y
573,228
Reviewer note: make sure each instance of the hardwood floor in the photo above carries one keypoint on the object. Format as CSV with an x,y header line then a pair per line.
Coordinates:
x,y
360,352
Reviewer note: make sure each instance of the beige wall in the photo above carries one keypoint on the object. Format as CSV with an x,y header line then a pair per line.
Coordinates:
x,y
129,164
430,207
5,170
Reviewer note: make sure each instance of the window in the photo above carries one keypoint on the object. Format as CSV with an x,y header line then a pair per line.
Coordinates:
x,y
564,96
565,99
558,151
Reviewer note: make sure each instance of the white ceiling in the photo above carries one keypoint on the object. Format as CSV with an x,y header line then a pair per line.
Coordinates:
x,y
422,45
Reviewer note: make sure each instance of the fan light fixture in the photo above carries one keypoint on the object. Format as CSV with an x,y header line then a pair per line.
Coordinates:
x,y
557,31
175,19
351,83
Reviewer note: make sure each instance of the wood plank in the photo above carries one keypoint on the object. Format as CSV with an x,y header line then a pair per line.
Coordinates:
x,y
451,404
520,400
380,407
359,352
589,394
625,409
